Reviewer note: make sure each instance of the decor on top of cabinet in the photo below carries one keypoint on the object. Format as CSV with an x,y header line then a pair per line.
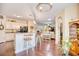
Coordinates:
x,y
1,26
11,20
31,27
23,29
1,17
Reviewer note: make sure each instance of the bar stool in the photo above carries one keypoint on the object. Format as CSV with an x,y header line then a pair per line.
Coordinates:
x,y
28,44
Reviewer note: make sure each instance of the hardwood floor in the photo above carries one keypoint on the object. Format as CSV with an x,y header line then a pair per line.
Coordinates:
x,y
7,48
47,48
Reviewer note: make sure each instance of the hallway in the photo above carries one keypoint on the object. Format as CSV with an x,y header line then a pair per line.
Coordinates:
x,y
47,48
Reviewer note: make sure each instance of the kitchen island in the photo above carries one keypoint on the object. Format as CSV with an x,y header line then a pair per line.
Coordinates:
x,y
24,41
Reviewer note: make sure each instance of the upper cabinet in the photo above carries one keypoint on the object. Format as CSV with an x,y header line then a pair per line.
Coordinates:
x,y
14,24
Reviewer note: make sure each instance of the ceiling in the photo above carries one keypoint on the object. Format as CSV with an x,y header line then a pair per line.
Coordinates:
x,y
28,10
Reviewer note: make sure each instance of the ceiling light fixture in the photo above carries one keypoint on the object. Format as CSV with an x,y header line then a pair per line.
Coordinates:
x,y
44,7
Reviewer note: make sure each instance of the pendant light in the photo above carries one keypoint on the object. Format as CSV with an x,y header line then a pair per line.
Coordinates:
x,y
1,26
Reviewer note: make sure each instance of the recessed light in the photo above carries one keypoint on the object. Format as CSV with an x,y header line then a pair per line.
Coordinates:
x,y
40,8
18,16
49,19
